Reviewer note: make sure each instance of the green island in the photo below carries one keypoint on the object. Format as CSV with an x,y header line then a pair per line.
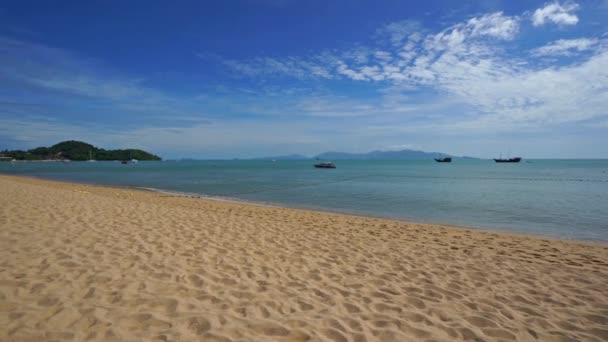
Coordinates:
x,y
76,151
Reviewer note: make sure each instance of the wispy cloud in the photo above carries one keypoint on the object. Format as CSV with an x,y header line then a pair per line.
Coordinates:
x,y
469,63
53,69
470,78
399,32
295,67
566,47
62,80
380,64
556,13
495,25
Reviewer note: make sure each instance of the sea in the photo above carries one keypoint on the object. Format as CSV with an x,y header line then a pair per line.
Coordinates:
x,y
566,199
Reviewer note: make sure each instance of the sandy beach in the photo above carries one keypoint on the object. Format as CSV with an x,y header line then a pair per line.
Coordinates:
x,y
81,262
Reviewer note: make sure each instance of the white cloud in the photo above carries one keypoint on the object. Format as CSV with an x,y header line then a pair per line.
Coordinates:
x,y
344,70
496,25
369,64
560,14
292,66
461,79
383,56
405,36
400,31
468,64
358,55
565,47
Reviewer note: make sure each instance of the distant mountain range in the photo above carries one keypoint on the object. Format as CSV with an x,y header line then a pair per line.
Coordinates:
x,y
382,155
287,157
373,155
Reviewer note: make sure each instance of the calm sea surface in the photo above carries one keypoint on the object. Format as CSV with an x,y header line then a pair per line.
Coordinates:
x,y
561,198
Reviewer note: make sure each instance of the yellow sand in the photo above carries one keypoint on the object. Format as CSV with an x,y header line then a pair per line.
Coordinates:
x,y
86,262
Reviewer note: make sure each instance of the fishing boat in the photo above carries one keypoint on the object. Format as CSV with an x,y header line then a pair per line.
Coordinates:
x,y
508,160
444,160
325,165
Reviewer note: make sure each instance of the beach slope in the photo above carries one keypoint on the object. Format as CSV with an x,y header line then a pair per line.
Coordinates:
x,y
81,262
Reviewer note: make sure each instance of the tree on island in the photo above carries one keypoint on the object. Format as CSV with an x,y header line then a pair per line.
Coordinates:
x,y
78,151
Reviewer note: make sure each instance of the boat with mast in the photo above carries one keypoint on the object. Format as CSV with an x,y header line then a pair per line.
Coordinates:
x,y
507,160
91,157
133,160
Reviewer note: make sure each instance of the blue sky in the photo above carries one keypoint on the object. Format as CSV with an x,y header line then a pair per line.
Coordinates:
x,y
227,79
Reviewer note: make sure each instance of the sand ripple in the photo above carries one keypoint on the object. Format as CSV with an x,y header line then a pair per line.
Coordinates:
x,y
95,263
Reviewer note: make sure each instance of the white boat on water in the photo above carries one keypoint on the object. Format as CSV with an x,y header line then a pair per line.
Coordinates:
x,y
91,157
133,160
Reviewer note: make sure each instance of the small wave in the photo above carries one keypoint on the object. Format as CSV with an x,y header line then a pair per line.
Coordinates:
x,y
205,196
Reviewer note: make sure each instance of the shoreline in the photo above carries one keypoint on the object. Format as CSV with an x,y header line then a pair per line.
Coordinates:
x,y
203,197
81,261
346,213
319,210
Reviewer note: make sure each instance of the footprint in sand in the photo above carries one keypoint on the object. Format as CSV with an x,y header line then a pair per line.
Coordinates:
x,y
198,325
48,301
481,322
499,333
334,335
269,329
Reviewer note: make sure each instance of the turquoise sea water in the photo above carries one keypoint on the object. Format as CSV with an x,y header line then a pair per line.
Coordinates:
x,y
560,198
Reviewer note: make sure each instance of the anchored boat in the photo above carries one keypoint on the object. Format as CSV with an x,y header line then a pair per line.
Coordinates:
x,y
508,160
325,165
